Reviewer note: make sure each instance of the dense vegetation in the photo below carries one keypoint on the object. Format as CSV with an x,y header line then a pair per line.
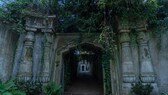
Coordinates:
x,y
87,15
10,88
13,87
141,89
162,13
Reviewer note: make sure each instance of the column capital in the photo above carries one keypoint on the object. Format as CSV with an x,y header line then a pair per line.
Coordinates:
x,y
141,29
124,37
126,30
29,36
141,26
47,30
141,37
32,29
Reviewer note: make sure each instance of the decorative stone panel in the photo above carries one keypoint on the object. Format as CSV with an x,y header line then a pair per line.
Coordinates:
x,y
25,70
146,67
45,73
127,63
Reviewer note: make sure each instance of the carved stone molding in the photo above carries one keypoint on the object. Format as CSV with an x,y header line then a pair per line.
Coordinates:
x,y
39,21
25,70
124,37
46,57
146,67
27,28
127,63
47,30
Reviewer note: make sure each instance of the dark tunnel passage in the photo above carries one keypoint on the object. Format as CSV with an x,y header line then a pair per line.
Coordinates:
x,y
83,71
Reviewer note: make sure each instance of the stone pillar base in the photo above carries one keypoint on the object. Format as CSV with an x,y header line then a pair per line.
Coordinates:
x,y
24,78
129,78
148,78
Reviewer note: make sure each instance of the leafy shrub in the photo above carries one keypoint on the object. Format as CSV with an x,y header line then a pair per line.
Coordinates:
x,y
141,89
9,88
52,89
11,13
31,88
164,93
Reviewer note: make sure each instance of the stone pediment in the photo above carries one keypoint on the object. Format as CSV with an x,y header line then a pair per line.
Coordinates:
x,y
39,21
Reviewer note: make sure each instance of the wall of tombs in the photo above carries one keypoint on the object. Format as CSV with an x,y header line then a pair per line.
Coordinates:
x,y
33,54
8,43
147,59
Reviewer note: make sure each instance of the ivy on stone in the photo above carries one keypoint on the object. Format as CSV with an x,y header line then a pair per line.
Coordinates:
x,y
106,69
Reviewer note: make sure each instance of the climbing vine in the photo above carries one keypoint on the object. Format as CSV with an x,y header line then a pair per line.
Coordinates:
x,y
106,69
108,40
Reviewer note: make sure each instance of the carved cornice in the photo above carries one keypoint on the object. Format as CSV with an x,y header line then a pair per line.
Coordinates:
x,y
141,26
39,21
126,25
124,30
30,29
140,29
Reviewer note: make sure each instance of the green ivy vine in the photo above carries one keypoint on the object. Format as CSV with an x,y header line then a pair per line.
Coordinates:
x,y
106,68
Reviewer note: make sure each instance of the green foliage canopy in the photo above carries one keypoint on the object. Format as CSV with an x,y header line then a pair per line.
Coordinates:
x,y
81,15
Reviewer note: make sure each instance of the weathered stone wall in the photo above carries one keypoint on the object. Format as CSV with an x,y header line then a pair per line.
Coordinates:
x,y
159,54
8,43
37,55
11,49
158,48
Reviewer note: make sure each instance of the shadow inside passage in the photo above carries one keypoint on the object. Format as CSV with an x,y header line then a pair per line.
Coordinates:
x,y
85,85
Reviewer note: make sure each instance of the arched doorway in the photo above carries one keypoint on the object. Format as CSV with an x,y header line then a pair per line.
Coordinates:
x,y
82,70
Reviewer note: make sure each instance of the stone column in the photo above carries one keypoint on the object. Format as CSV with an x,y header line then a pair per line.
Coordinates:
x,y
146,68
46,56
25,70
128,72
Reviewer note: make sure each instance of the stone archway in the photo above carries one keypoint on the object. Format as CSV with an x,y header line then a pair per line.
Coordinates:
x,y
39,37
64,43
58,74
